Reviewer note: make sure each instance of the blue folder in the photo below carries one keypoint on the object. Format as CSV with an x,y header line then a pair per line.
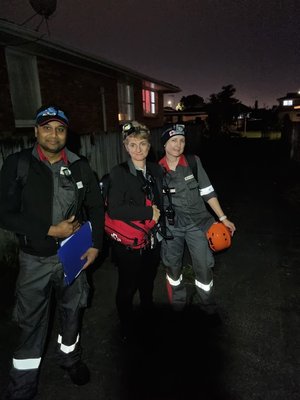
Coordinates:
x,y
72,248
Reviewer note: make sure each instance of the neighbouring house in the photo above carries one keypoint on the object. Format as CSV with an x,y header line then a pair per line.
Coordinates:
x,y
289,115
185,116
289,105
97,94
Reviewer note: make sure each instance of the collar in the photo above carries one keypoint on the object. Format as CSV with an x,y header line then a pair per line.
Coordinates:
x,y
182,161
133,169
42,157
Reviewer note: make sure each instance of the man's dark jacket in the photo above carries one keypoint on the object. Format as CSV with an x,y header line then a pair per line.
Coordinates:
x,y
32,222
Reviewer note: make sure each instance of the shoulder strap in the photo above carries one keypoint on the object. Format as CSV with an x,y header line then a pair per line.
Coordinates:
x,y
104,186
191,159
23,166
83,168
14,193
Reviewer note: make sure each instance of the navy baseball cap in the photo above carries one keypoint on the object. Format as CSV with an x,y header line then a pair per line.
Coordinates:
x,y
47,114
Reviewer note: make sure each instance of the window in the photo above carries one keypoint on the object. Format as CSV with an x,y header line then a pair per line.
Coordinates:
x,y
149,102
24,86
126,105
287,102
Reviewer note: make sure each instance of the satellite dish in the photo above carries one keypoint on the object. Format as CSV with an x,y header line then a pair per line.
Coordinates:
x,y
44,7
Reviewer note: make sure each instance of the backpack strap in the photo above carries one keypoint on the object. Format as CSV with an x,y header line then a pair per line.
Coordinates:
x,y
14,193
23,166
191,159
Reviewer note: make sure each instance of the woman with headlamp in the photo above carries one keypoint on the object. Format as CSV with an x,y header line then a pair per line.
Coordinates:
x,y
134,195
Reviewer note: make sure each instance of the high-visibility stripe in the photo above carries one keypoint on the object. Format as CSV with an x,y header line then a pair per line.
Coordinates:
x,y
206,288
172,282
171,190
27,363
67,349
206,190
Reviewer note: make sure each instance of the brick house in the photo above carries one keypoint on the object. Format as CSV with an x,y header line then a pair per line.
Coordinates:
x,y
98,95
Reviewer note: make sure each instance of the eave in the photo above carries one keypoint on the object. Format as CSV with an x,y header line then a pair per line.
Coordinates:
x,y
31,42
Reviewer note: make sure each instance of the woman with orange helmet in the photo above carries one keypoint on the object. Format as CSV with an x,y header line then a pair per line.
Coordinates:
x,y
186,190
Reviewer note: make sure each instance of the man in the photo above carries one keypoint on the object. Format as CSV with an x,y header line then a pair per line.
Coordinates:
x,y
59,193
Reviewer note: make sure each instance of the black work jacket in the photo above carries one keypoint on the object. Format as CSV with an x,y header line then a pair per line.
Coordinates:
x,y
32,222
126,196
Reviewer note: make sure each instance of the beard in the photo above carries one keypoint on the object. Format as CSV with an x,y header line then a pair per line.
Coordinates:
x,y
54,149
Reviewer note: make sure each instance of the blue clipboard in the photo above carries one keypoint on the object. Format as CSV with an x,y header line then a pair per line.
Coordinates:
x,y
72,248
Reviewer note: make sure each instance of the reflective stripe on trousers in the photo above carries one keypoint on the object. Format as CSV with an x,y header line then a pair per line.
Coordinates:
x,y
202,263
38,277
204,287
67,349
27,363
172,282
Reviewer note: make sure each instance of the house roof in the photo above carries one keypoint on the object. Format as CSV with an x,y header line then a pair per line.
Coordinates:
x,y
15,36
291,95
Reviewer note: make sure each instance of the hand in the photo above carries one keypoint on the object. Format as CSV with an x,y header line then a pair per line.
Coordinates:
x,y
64,228
156,213
230,225
90,255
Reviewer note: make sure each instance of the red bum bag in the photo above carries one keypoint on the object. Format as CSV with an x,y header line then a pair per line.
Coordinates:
x,y
134,234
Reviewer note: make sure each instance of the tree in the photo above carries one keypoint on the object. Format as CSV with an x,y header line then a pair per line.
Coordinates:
x,y
222,109
191,101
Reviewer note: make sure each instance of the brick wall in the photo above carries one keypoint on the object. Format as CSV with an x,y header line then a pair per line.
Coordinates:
x,y
78,91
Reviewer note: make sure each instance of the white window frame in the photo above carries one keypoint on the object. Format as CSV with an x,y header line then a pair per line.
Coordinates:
x,y
125,102
150,102
287,102
24,86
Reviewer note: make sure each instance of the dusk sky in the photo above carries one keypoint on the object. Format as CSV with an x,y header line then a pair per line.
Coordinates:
x,y
198,45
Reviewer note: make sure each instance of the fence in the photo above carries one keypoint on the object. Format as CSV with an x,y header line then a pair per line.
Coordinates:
x,y
103,150
106,150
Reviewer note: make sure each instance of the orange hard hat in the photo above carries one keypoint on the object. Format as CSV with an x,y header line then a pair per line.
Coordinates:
x,y
218,236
